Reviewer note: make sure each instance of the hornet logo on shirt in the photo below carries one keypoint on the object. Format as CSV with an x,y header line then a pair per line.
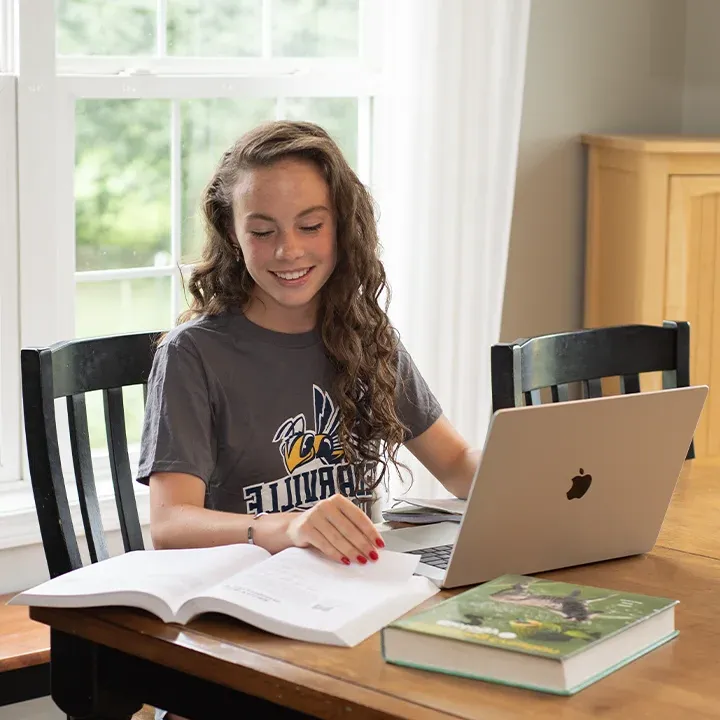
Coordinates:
x,y
300,445
314,462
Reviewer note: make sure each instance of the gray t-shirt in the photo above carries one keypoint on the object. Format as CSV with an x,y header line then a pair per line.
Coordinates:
x,y
249,411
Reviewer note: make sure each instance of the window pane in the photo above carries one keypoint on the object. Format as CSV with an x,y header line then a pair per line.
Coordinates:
x,y
184,297
338,116
113,307
214,28
120,306
315,28
122,184
209,128
92,27
134,411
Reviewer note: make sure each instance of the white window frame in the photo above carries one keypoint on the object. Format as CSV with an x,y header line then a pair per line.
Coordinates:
x,y
10,415
10,419
44,241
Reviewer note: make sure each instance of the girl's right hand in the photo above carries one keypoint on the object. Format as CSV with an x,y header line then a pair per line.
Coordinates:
x,y
339,529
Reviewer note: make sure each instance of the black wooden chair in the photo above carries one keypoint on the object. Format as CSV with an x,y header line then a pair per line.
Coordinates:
x,y
522,369
71,369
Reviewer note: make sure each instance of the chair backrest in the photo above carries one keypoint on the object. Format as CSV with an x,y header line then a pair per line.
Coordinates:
x,y
71,369
521,369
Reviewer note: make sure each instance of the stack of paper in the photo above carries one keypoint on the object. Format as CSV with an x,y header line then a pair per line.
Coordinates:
x,y
423,511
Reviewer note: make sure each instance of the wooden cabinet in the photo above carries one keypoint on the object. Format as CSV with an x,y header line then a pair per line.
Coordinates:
x,y
653,248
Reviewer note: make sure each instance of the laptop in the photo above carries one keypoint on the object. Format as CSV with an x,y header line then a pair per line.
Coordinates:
x,y
563,484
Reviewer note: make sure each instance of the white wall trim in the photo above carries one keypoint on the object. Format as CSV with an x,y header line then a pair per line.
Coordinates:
x,y
19,524
18,515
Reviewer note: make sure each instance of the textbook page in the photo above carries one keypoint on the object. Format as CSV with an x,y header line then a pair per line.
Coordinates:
x,y
158,581
299,593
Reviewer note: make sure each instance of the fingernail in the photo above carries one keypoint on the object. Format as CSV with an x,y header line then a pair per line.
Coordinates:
x,y
362,560
379,542
346,561
373,555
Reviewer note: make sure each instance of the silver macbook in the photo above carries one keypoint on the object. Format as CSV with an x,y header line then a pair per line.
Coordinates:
x,y
563,484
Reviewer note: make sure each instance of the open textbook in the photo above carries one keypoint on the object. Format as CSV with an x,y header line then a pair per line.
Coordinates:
x,y
297,593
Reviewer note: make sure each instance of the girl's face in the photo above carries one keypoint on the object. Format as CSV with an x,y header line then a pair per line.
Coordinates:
x,y
285,226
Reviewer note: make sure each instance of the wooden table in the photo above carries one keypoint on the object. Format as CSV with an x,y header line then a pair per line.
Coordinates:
x,y
123,657
692,523
24,655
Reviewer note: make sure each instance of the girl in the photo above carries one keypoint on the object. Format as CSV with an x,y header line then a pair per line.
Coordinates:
x,y
284,388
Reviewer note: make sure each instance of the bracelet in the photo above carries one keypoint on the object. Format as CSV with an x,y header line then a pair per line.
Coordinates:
x,y
250,533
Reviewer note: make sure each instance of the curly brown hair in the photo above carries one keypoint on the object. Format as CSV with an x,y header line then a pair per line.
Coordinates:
x,y
358,338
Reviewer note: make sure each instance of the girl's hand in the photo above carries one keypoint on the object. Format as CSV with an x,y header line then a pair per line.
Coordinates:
x,y
339,529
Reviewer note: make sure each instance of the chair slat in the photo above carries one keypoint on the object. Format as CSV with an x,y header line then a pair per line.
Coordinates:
x,y
630,383
559,392
120,469
680,377
592,387
56,526
533,397
85,478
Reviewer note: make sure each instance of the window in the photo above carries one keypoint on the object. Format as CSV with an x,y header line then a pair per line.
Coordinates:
x,y
123,109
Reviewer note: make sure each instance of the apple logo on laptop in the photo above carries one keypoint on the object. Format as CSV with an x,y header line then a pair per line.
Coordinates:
x,y
580,485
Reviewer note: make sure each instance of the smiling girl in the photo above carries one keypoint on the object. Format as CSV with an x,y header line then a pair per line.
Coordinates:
x,y
277,405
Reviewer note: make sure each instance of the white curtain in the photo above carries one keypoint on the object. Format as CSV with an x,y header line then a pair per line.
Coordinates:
x,y
444,176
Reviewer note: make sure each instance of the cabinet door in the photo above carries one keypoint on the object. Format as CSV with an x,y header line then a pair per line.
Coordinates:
x,y
693,289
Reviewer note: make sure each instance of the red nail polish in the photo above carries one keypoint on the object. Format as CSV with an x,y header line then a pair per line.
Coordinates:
x,y
362,560
346,561
373,555
379,542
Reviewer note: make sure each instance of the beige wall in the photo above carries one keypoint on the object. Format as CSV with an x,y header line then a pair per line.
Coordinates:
x,y
701,95
592,66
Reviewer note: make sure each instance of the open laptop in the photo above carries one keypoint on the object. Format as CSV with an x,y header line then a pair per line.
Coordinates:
x,y
563,484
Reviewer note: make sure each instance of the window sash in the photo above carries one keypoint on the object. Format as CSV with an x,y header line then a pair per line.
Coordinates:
x,y
371,14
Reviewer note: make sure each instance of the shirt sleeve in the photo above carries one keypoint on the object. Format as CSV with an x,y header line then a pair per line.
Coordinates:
x,y
417,407
177,431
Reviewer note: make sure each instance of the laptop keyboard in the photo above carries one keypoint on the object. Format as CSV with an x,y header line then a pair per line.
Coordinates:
x,y
438,556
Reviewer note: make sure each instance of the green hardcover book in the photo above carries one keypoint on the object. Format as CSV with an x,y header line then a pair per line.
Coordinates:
x,y
538,634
